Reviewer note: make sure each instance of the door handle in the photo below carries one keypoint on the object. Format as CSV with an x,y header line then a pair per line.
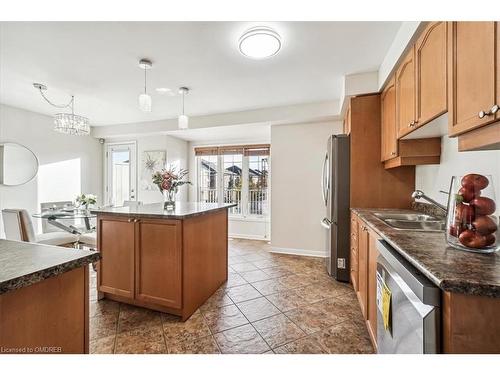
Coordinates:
x,y
325,223
492,111
324,180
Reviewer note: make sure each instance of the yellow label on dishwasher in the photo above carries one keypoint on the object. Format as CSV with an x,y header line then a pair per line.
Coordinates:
x,y
386,306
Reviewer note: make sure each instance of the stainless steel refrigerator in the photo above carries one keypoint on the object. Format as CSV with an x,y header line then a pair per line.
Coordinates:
x,y
336,197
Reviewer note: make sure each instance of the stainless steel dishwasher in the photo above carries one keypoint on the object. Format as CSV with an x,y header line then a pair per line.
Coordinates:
x,y
414,309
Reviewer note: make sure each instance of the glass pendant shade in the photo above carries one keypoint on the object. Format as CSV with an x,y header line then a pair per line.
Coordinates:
x,y
68,123
145,102
183,122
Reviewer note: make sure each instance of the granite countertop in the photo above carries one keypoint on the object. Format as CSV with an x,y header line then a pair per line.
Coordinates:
x,y
155,210
450,269
23,263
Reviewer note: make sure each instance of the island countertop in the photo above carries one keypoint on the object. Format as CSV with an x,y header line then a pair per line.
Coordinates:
x,y
450,269
23,263
155,210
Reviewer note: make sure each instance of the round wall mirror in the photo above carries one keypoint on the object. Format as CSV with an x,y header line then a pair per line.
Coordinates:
x,y
18,164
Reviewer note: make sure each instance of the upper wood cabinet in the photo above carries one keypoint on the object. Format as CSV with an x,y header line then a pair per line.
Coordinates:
x,y
472,90
431,73
405,94
388,113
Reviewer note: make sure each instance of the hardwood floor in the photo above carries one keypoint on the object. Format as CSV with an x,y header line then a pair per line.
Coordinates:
x,y
271,303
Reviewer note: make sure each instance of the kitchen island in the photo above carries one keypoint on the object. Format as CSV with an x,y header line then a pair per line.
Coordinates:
x,y
44,298
170,261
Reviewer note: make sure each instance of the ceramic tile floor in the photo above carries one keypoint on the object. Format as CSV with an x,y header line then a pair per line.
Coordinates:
x,y
271,303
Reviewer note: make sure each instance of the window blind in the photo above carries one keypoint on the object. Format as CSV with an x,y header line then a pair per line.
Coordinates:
x,y
247,150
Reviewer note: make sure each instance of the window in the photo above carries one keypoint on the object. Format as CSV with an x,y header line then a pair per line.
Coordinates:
x,y
257,184
235,174
207,181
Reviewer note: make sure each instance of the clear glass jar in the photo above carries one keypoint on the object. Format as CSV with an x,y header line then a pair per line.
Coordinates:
x,y
472,220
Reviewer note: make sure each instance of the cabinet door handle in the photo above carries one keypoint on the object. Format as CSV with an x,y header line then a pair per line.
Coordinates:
x,y
136,220
393,153
491,112
129,220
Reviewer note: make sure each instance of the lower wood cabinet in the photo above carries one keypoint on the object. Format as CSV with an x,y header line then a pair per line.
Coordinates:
x,y
363,273
363,267
158,277
141,259
117,244
373,237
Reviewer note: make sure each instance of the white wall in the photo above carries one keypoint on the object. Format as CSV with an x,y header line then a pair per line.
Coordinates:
x,y
69,165
177,154
432,178
297,207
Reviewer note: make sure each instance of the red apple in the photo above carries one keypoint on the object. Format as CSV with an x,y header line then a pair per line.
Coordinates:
x,y
464,213
490,239
474,182
468,194
483,205
470,238
484,225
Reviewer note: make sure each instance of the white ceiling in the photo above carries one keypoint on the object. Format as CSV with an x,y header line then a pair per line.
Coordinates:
x,y
233,133
97,62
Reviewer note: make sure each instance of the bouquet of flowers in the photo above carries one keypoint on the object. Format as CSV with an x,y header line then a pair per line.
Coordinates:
x,y
168,181
85,200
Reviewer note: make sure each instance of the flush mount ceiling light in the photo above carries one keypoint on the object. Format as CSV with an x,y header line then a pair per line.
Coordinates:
x,y
164,91
66,123
145,98
183,119
259,42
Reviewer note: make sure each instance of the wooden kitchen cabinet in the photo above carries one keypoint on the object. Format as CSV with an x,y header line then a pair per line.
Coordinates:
x,y
405,94
158,277
472,51
373,238
354,252
485,134
431,73
163,261
388,113
364,274
362,291
116,267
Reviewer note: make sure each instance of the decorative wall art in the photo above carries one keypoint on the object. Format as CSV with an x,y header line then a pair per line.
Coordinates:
x,y
152,161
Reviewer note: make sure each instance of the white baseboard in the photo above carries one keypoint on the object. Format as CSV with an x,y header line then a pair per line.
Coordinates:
x,y
303,252
248,237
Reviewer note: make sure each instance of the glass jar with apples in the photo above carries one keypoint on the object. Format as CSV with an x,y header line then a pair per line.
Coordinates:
x,y
472,221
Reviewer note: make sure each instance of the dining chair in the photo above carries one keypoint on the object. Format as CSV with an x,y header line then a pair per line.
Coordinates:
x,y
18,226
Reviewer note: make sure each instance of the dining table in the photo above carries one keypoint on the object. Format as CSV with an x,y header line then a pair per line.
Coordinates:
x,y
57,217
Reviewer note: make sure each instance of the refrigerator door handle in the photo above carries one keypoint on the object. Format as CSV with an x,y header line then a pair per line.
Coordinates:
x,y
324,180
326,223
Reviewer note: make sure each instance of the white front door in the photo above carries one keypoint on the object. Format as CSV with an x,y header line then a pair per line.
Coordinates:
x,y
121,173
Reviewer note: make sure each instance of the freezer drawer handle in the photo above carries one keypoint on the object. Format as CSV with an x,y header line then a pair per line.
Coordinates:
x,y
326,223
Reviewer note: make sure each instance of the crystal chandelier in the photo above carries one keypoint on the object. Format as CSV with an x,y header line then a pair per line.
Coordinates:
x,y
66,123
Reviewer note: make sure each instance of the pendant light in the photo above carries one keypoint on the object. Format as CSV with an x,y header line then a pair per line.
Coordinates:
x,y
145,98
183,119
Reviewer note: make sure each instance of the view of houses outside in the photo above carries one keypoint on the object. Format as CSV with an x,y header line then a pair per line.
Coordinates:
x,y
232,188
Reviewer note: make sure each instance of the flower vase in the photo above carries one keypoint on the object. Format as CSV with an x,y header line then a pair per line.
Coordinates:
x,y
169,200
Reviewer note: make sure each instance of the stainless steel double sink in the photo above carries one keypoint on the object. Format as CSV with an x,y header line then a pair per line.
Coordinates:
x,y
412,221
